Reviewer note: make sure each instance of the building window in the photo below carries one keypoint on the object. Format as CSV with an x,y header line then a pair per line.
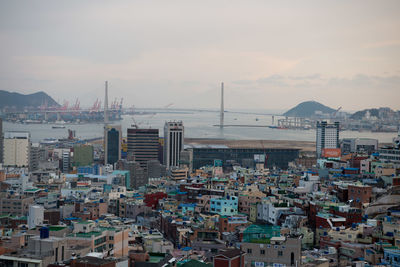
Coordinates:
x,y
262,251
249,251
280,253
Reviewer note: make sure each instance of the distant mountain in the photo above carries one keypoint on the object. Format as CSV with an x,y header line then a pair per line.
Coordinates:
x,y
374,112
379,113
19,101
308,109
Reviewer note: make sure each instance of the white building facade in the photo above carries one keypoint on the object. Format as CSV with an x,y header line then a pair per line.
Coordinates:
x,y
16,149
35,216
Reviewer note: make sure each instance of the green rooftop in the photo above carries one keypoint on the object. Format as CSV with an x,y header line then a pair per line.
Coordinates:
x,y
57,227
85,222
260,233
32,190
193,263
156,259
86,235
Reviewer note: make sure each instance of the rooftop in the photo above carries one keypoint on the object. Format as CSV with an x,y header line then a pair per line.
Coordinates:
x,y
250,144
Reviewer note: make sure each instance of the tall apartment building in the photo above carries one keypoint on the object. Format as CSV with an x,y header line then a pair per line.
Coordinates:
x,y
34,157
143,145
137,174
16,149
155,169
112,143
65,160
173,142
327,136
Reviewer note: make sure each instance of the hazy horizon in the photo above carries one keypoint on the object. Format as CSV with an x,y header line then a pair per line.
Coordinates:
x,y
270,55
276,111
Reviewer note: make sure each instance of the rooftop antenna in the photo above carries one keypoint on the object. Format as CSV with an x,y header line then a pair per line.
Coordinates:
x,y
106,104
221,115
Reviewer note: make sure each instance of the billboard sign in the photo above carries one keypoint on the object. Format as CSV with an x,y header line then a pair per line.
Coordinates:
x,y
331,152
259,158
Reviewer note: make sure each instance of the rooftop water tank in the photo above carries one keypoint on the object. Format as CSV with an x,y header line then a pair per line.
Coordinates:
x,y
44,232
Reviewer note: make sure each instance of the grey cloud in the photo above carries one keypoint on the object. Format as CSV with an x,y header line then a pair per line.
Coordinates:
x,y
365,81
315,76
181,50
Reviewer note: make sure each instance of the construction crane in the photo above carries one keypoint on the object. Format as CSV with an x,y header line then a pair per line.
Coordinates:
x,y
135,124
76,106
64,106
94,107
335,113
120,103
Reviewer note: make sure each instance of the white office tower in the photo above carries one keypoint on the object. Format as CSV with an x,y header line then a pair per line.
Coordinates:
x,y
327,136
35,216
16,149
173,143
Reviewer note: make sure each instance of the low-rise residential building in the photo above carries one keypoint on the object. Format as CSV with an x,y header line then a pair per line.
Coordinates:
x,y
101,239
278,250
15,205
231,223
359,195
224,206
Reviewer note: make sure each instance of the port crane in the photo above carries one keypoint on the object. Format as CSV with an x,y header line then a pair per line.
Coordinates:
x,y
335,113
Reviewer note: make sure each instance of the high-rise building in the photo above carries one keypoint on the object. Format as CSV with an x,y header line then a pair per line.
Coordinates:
x,y
327,136
112,143
34,157
16,149
65,160
1,140
143,145
173,142
137,174
155,169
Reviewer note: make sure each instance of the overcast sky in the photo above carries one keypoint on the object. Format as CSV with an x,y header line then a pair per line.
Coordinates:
x,y
270,54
